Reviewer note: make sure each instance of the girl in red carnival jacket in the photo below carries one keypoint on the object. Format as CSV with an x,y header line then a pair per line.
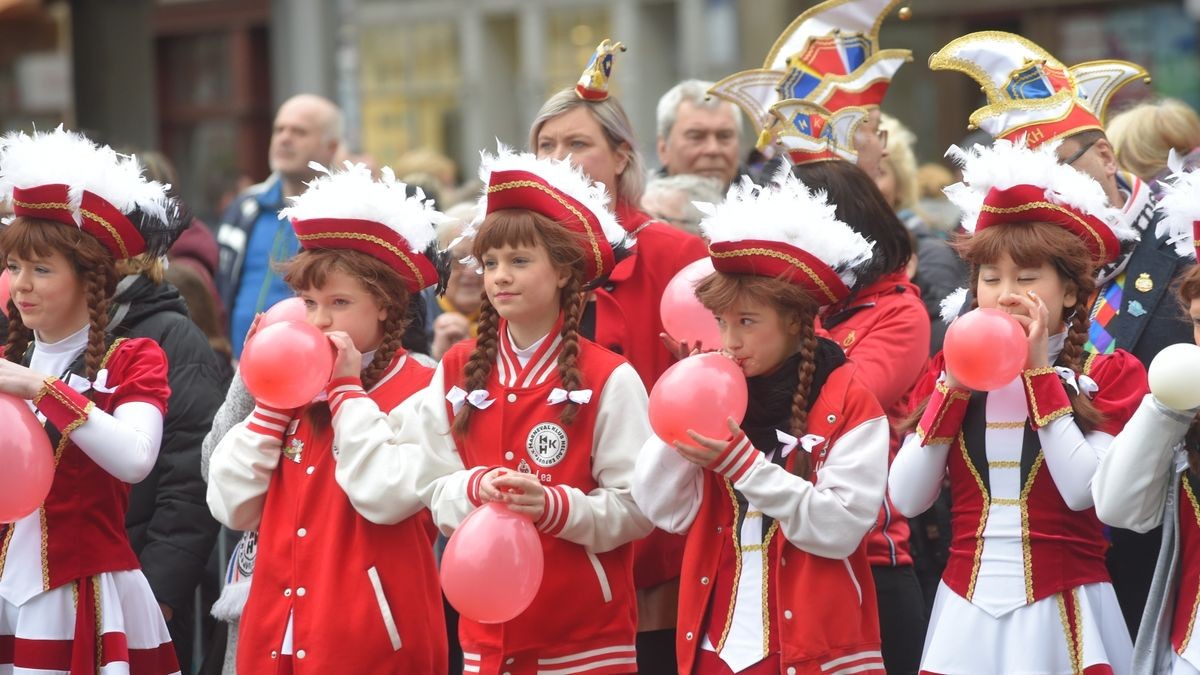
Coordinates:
x,y
1026,588
72,597
532,415
775,574
336,590
884,329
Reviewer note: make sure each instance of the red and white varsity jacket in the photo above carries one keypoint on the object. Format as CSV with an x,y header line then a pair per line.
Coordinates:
x,y
821,608
1061,538
360,597
584,618
83,517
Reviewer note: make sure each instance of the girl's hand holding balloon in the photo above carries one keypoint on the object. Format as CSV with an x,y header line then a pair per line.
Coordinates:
x,y
348,362
521,492
707,450
1036,324
17,380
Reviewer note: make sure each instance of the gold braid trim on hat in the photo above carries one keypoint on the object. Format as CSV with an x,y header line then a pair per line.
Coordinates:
x,y
791,260
499,187
111,230
359,236
1053,207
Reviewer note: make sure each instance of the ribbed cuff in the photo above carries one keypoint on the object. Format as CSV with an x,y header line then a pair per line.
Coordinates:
x,y
558,507
1046,396
343,389
473,485
268,421
943,415
737,459
63,407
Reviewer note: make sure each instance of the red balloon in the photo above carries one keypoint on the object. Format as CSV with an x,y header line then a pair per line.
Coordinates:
x,y
5,282
985,349
27,459
698,393
286,364
288,309
492,566
683,317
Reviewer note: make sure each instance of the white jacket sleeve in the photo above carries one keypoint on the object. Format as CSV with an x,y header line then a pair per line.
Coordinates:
x,y
125,443
1072,458
916,475
667,487
387,462
606,517
828,518
1130,487
240,468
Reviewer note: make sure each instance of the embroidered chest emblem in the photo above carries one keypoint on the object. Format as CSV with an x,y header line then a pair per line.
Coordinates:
x,y
294,449
849,339
547,444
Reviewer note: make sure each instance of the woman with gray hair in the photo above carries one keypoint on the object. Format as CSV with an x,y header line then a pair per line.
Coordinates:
x,y
591,128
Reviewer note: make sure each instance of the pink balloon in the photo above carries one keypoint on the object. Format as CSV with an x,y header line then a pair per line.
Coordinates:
x,y
27,459
683,317
5,282
492,566
286,364
288,309
698,393
985,349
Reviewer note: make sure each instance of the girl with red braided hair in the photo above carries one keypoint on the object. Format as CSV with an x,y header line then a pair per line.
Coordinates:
x,y
776,577
532,415
334,589
1026,588
72,596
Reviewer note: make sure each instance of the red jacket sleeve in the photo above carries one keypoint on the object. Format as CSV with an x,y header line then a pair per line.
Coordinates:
x,y
892,354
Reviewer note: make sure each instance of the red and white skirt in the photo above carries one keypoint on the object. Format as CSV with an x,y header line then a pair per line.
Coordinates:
x,y
109,624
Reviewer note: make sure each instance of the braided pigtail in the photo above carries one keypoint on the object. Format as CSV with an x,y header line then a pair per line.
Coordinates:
x,y
568,370
393,338
479,366
19,336
1087,417
808,366
99,285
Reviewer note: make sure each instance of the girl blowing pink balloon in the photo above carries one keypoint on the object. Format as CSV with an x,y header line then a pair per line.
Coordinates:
x,y
1150,476
337,589
775,572
1026,588
533,416
72,596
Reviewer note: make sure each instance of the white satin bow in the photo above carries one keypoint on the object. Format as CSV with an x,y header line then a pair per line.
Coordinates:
x,y
809,442
81,384
478,398
579,396
1082,382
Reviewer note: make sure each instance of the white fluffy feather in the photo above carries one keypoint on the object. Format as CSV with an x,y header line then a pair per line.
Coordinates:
x,y
560,174
791,213
952,304
67,157
353,193
1180,204
1007,164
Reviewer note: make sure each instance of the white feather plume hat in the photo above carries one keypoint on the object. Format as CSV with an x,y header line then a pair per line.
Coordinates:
x,y
1012,183
349,209
559,191
65,177
1180,205
785,230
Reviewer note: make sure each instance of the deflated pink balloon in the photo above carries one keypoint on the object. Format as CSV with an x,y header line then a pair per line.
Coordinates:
x,y
26,458
492,566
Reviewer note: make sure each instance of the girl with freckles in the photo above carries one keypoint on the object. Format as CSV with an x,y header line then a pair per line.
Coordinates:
x,y
1026,588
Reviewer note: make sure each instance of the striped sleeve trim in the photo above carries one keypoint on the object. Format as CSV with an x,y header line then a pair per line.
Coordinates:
x,y
558,507
473,485
269,421
737,459
343,389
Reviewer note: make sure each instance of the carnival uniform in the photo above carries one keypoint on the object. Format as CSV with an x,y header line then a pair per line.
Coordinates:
x,y
584,617
1143,482
72,596
332,591
1025,588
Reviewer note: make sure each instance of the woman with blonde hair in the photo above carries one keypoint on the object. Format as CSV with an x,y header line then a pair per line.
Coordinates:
x,y
1144,135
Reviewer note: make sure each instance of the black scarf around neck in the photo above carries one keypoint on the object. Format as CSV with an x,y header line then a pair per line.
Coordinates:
x,y
769,406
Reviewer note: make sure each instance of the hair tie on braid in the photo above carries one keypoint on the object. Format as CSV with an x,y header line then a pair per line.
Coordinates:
x,y
568,370
479,366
